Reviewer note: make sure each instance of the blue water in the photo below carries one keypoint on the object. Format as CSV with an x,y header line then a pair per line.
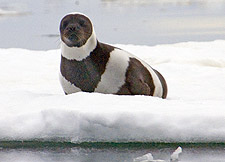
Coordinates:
x,y
36,27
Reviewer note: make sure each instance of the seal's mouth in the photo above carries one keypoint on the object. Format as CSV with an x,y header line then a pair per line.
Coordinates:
x,y
72,39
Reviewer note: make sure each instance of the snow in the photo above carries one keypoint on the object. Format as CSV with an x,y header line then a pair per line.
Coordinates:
x,y
34,107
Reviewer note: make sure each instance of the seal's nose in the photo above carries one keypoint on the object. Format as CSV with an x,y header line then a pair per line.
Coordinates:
x,y
73,37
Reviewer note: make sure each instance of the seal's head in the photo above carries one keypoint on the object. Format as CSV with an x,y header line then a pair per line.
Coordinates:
x,y
75,30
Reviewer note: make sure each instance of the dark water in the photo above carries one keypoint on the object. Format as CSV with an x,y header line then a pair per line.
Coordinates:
x,y
35,26
108,155
37,151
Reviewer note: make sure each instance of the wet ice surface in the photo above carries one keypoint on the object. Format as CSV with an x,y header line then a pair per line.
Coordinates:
x,y
109,155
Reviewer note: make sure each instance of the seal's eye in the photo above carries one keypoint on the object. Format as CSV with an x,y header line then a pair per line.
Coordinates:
x,y
82,23
65,23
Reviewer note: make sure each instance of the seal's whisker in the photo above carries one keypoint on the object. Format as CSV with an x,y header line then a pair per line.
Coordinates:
x,y
58,41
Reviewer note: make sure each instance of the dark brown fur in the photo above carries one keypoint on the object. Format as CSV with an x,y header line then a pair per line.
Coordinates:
x,y
138,80
86,74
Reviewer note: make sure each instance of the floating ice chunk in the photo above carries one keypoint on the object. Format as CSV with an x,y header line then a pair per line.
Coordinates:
x,y
175,155
5,12
11,13
144,158
147,158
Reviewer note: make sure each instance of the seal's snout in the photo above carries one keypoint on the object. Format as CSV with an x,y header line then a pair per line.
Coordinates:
x,y
72,32
75,30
